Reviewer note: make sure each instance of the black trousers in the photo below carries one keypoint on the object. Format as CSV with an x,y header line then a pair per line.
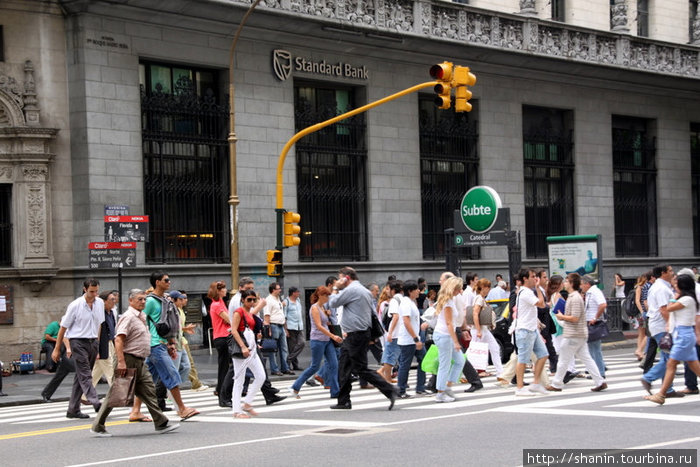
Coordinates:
x,y
65,366
353,359
224,361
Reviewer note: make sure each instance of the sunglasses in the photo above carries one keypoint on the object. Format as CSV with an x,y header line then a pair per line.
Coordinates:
x,y
167,279
251,299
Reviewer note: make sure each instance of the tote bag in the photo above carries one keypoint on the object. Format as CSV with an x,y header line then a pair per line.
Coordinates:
x,y
478,355
121,394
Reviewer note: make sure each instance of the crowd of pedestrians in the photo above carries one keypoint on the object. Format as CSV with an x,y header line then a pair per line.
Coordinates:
x,y
559,320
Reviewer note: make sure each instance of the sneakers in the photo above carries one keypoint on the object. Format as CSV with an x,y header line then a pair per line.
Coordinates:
x,y
293,394
443,397
167,428
449,392
203,387
537,388
100,434
524,391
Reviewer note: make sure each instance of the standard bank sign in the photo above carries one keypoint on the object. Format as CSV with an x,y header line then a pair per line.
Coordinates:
x,y
283,63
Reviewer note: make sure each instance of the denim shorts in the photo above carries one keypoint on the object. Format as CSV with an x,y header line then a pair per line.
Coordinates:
x,y
162,367
528,342
391,353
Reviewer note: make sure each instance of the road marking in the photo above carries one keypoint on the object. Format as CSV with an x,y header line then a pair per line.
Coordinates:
x,y
288,421
56,430
181,451
601,413
666,443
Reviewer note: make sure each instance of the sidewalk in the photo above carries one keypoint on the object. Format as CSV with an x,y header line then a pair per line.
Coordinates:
x,y
23,389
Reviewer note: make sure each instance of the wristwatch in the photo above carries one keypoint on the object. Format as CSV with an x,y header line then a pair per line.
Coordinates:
x,y
416,340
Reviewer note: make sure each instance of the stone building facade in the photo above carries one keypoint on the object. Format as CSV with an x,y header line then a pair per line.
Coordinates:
x,y
583,121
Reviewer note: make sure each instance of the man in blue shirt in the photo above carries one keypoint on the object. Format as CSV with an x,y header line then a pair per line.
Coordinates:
x,y
294,327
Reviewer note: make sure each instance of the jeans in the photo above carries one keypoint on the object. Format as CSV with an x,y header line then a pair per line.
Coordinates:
x,y
321,350
353,359
658,371
324,373
279,335
595,348
405,359
182,363
162,367
691,379
391,352
575,347
529,342
451,361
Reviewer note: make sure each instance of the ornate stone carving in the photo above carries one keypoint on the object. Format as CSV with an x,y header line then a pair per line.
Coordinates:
x,y
445,23
527,8
479,29
618,16
31,109
380,5
664,60
6,172
578,47
426,15
35,172
400,15
696,27
360,11
4,117
549,41
36,222
688,63
12,88
606,50
511,34
639,55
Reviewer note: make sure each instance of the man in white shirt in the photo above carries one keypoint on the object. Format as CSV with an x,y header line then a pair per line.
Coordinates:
x,y
595,305
273,316
498,293
527,336
471,278
660,294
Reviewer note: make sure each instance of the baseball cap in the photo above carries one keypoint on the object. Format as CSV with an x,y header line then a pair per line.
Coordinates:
x,y
176,294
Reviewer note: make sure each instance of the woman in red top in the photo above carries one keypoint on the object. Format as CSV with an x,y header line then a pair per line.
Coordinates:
x,y
242,331
220,324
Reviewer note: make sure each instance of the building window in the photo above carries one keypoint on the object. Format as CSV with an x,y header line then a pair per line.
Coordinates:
x,y
643,18
549,176
185,153
558,12
695,175
449,165
331,175
5,225
634,187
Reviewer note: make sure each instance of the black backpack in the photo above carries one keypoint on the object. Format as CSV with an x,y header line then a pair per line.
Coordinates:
x,y
386,319
629,306
168,324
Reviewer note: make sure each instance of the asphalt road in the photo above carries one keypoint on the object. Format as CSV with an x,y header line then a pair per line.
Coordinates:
x,y
489,427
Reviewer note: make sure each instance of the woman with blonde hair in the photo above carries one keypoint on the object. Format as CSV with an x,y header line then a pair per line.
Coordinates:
x,y
481,332
450,355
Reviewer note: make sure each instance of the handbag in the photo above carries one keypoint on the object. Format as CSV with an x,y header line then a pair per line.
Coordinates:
x,y
235,350
268,345
666,342
431,360
486,316
121,394
337,330
597,331
377,330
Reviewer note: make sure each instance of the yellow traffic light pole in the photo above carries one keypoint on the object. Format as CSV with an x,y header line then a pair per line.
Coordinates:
x,y
318,126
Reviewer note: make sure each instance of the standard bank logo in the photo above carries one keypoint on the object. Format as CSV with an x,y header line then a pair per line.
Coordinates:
x,y
282,63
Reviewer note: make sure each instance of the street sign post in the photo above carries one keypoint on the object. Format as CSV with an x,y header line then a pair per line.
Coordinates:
x,y
126,228
112,255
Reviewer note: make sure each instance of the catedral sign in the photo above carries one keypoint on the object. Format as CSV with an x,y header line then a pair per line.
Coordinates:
x,y
479,209
283,63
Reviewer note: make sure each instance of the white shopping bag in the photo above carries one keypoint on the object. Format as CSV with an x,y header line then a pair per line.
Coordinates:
x,y
478,355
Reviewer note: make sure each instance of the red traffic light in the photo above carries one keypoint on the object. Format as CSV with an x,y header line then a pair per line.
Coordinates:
x,y
442,71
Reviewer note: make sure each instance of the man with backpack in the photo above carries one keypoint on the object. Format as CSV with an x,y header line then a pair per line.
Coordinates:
x,y
163,323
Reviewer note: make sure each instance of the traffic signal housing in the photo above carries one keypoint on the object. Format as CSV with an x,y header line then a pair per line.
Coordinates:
x,y
291,229
274,263
442,72
462,79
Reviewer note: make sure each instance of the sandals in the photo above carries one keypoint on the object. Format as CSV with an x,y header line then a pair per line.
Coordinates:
x,y
657,398
188,413
241,415
142,418
250,410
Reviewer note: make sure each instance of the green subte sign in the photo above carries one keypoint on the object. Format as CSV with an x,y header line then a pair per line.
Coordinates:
x,y
479,208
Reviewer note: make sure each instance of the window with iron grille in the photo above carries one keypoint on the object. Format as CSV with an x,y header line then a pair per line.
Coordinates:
x,y
185,158
634,186
5,225
643,18
449,165
331,175
558,12
548,164
695,176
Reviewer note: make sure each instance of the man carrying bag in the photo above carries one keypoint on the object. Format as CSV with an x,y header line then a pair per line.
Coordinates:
x,y
132,345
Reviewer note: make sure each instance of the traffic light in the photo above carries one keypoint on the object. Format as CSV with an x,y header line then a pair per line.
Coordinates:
x,y
274,263
442,72
291,230
462,79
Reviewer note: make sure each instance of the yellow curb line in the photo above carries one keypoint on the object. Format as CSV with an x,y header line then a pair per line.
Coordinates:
x,y
57,430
